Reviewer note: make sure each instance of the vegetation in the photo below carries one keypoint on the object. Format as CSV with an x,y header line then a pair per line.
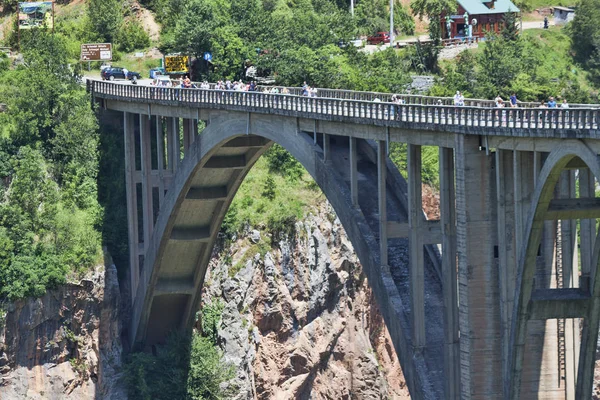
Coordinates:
x,y
534,65
49,212
585,35
183,368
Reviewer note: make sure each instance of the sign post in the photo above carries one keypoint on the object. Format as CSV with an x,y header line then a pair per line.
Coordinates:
x,y
96,52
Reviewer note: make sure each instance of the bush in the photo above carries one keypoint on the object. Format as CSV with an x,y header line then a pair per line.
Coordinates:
x,y
179,371
132,36
208,371
282,162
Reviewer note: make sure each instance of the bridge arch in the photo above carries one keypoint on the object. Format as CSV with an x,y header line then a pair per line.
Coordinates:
x,y
581,302
192,212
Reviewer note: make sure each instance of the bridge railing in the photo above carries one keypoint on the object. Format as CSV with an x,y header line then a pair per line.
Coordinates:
x,y
469,116
406,98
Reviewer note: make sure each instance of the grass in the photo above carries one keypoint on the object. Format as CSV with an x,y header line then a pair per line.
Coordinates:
x,y
530,5
293,200
555,45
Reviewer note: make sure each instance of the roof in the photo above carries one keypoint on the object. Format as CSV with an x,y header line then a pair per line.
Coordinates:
x,y
477,7
564,9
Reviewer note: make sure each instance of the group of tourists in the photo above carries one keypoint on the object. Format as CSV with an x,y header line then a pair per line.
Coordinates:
x,y
513,102
308,91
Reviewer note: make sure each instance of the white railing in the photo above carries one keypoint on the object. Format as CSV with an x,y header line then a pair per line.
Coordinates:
x,y
468,115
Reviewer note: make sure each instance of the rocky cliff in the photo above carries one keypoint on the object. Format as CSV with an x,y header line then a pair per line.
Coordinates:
x,y
65,344
299,319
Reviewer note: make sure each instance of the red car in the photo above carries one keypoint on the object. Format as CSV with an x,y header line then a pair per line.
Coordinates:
x,y
379,37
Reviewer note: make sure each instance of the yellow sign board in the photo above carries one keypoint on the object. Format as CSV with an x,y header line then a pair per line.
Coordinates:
x,y
176,64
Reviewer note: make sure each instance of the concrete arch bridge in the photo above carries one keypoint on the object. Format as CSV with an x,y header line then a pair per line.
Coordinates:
x,y
487,302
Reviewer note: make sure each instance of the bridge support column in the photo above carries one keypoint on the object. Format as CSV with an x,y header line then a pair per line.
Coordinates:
x,y
382,192
188,137
353,172
588,228
507,253
326,145
173,143
479,313
160,158
146,159
417,268
132,206
541,371
570,272
449,275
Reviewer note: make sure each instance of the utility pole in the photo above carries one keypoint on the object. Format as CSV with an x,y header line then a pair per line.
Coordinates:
x,y
352,7
392,23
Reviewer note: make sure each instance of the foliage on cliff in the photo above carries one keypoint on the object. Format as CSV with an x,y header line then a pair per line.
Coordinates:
x,y
49,212
183,368
534,65
585,35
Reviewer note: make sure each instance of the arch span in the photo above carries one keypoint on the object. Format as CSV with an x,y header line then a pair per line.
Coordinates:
x,y
549,303
168,293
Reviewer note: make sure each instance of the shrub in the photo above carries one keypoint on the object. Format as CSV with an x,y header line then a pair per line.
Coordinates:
x,y
132,36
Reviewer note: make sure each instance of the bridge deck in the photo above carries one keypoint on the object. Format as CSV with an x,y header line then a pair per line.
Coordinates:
x,y
515,122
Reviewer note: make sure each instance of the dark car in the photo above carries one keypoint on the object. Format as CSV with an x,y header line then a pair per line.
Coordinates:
x,y
379,37
113,73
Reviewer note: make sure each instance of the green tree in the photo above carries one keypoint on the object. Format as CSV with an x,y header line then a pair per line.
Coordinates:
x,y
585,35
510,30
106,18
195,29
207,371
433,9
269,188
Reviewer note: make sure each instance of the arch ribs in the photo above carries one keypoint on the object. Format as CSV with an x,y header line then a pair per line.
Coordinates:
x,y
574,300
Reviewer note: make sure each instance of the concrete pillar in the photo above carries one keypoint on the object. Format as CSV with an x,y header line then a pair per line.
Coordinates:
x,y
507,252
146,159
479,312
570,270
449,275
187,129
381,185
326,149
588,226
131,193
173,133
160,142
417,268
540,375
353,172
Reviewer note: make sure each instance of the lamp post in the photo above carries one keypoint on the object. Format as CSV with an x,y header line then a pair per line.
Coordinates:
x,y
352,7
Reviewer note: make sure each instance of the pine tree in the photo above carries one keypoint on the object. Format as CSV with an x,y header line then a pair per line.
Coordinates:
x,y
510,30
106,18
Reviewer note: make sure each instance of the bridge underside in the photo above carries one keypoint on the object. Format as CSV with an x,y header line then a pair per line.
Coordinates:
x,y
446,288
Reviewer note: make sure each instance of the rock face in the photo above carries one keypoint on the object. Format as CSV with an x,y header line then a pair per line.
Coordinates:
x,y
65,344
299,320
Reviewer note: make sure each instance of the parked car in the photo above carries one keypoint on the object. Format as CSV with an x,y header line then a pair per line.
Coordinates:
x,y
379,37
354,42
154,72
117,73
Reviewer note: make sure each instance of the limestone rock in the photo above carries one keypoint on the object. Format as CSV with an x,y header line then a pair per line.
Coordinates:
x,y
299,322
255,236
65,344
